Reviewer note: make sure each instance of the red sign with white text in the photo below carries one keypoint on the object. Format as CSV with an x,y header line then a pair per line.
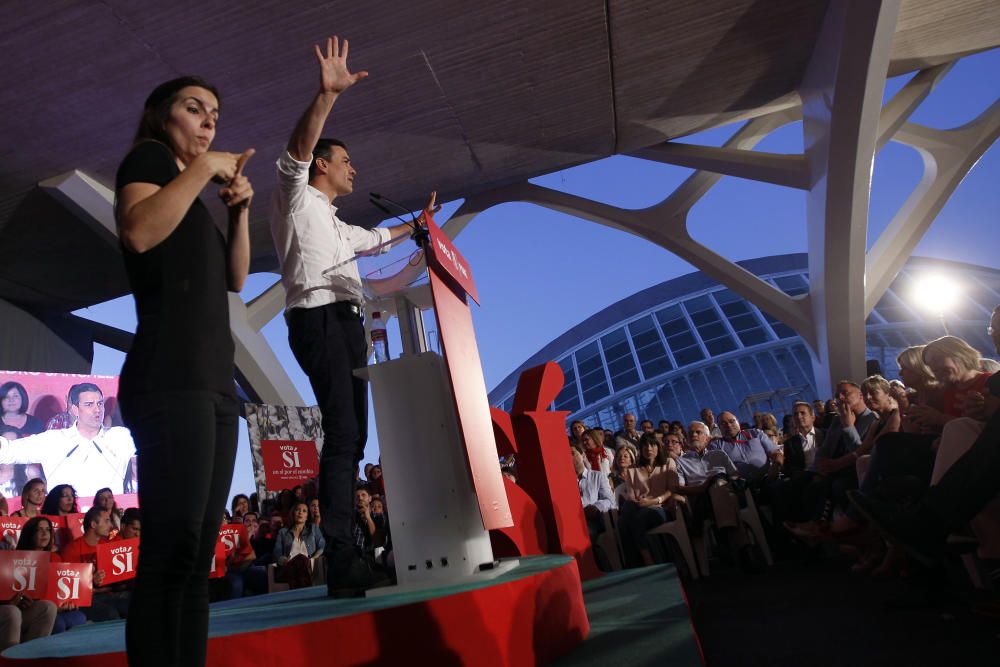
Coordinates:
x,y
288,463
70,582
451,261
23,572
10,528
118,559
74,524
229,535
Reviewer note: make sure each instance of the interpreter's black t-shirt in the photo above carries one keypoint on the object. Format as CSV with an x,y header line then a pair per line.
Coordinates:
x,y
182,340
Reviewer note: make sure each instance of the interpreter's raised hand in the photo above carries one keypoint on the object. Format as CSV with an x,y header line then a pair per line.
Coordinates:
x,y
221,165
238,193
334,77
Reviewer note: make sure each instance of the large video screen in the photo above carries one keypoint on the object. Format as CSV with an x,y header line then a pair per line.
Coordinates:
x,y
64,429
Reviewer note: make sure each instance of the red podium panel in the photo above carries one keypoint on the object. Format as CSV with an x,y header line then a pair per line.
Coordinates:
x,y
450,280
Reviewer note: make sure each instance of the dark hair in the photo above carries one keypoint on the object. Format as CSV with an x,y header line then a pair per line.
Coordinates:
x,y
77,389
29,535
27,486
323,149
156,110
92,515
51,505
5,389
130,515
650,438
232,503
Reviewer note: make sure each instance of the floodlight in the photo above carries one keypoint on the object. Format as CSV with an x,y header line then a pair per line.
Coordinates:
x,y
936,293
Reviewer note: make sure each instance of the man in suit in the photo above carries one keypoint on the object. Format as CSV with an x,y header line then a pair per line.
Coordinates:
x,y
800,457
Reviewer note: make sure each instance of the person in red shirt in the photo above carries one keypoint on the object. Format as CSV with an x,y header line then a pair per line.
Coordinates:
x,y
106,606
131,525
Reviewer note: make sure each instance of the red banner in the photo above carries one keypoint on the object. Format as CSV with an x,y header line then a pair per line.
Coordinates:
x,y
118,559
23,572
288,463
10,528
70,582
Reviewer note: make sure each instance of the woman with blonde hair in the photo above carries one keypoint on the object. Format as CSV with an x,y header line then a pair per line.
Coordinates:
x,y
598,456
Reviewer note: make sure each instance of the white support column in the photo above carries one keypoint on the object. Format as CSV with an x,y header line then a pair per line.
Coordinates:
x,y
841,104
262,375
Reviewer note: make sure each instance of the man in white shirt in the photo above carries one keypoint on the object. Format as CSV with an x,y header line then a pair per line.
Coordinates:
x,y
87,455
323,308
596,497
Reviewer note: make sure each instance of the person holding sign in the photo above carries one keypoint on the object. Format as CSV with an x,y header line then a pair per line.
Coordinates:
x,y
32,498
39,535
323,308
176,390
24,619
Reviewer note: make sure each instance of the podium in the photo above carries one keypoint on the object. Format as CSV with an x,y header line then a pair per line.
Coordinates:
x,y
439,457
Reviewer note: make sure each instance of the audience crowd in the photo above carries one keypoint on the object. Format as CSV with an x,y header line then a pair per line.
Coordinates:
x,y
853,472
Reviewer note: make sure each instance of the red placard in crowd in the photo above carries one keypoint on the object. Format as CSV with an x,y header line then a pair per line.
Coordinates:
x,y
229,535
218,561
10,528
288,463
118,559
23,572
74,524
70,582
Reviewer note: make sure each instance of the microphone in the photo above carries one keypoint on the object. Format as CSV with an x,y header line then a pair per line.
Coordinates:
x,y
376,196
420,234
385,209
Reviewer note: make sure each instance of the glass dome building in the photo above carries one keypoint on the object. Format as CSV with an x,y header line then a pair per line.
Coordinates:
x,y
688,343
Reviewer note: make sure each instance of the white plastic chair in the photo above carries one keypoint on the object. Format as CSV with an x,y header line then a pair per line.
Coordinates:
x,y
675,528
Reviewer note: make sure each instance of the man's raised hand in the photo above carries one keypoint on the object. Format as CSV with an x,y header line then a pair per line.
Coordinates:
x,y
334,76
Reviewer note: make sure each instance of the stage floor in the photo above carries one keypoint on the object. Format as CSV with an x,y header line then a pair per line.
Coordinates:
x,y
638,615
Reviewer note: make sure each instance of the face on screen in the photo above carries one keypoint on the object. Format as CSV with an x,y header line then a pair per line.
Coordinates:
x,y
90,412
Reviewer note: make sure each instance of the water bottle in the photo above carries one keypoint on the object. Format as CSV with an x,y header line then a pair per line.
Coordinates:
x,y
380,341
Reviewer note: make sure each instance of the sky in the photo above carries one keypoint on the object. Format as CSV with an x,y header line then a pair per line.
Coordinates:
x,y
540,272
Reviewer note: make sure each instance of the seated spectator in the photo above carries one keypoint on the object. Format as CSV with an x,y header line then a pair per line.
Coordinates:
x,y
708,419
377,485
23,619
315,518
628,434
239,506
751,450
595,494
955,365
131,524
241,576
369,530
770,427
15,403
576,429
105,499
296,548
261,537
649,492
706,479
61,501
105,605
835,459
803,440
625,458
646,426
598,456
32,498
38,535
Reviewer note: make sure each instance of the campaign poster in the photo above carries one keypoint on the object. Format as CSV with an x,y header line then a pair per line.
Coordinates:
x,y
229,535
118,559
44,434
281,423
24,572
70,583
289,463
10,529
